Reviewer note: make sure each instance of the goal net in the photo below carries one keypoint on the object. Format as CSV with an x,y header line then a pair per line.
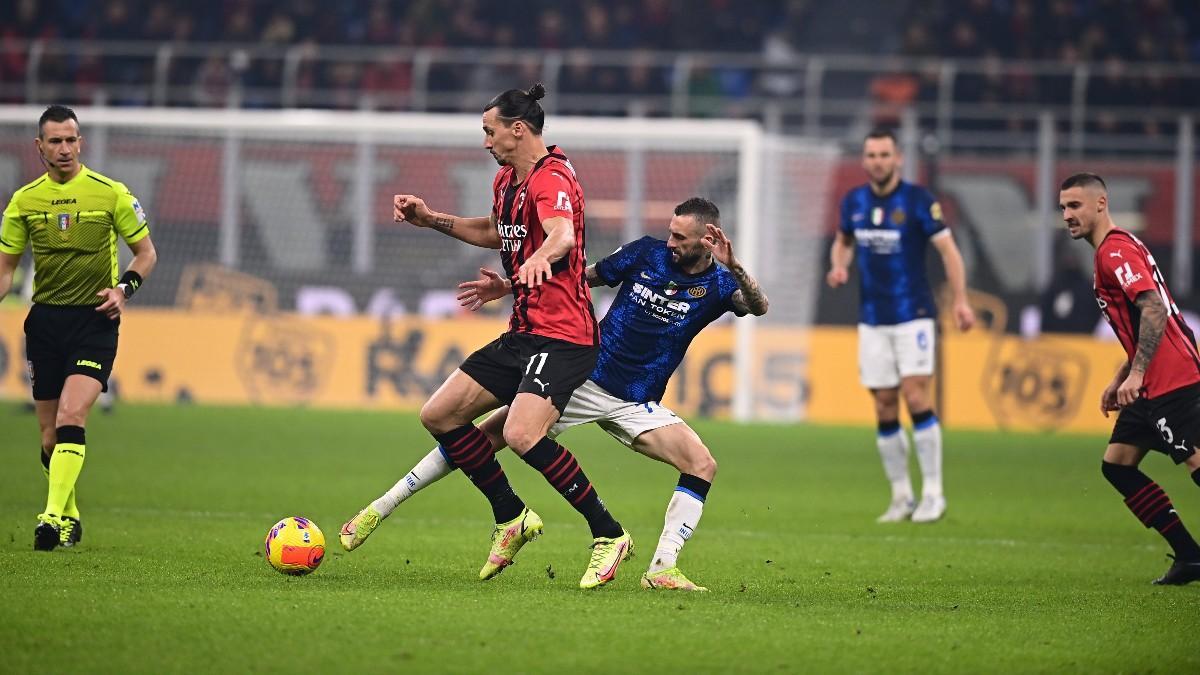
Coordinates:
x,y
289,213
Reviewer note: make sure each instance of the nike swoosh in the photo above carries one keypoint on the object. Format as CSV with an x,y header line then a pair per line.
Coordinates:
x,y
608,573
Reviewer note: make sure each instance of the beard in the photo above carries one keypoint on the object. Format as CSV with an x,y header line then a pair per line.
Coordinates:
x,y
686,259
887,178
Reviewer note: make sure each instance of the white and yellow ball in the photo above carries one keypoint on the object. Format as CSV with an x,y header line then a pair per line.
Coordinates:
x,y
295,546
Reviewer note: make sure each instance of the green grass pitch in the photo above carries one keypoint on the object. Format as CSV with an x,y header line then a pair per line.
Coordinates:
x,y
1038,567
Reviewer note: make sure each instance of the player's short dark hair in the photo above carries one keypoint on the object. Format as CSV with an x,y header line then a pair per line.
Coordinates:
x,y
56,113
1083,180
519,104
879,132
701,209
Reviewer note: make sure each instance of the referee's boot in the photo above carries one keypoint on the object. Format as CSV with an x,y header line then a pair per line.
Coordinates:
x,y
47,535
70,531
1181,572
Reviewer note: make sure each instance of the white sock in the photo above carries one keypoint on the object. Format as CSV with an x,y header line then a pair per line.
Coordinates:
x,y
928,439
432,468
683,515
893,450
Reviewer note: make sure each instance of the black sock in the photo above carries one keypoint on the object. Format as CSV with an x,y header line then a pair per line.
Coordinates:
x,y
559,467
45,457
1196,476
469,449
1151,505
922,418
694,485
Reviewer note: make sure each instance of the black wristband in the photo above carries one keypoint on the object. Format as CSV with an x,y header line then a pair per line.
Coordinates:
x,y
130,282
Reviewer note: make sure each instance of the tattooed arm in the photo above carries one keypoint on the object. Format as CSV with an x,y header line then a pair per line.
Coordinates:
x,y
1150,331
1151,325
592,276
748,298
480,231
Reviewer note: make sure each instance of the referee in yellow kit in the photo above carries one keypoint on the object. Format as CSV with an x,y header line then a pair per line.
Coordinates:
x,y
71,216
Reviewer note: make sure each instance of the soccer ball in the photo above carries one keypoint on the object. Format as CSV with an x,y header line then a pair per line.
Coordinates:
x,y
295,546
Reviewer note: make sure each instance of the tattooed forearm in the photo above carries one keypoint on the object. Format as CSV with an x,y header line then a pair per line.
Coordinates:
x,y
443,224
592,276
1150,330
753,298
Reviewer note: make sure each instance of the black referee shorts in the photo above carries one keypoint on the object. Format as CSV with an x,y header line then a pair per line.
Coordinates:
x,y
1169,424
521,362
61,341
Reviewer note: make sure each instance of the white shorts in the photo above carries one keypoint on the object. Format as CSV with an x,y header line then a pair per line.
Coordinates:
x,y
888,353
622,420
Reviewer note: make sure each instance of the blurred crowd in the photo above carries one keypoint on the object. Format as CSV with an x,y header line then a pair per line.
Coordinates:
x,y
1127,44
721,25
1115,36
627,25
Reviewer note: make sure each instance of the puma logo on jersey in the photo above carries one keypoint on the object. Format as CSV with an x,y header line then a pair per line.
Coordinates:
x,y
1117,254
541,384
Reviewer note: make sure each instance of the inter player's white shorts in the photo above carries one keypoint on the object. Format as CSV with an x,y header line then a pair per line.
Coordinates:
x,y
622,420
888,353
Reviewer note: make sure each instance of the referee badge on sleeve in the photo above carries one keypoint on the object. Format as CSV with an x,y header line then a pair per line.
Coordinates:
x,y
64,221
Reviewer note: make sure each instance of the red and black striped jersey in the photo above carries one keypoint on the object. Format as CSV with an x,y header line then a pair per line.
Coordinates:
x,y
561,307
1124,270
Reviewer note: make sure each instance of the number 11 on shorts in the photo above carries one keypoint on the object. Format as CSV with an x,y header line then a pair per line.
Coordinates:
x,y
540,363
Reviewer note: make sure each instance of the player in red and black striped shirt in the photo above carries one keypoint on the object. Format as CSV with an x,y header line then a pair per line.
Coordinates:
x,y
1157,390
549,350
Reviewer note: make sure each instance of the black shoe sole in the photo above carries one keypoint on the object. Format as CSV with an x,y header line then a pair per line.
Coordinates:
x,y
45,537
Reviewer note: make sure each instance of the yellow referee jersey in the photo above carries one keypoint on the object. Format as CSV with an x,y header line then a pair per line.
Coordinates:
x,y
73,227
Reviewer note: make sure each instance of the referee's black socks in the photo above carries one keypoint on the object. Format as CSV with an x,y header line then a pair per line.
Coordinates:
x,y
559,467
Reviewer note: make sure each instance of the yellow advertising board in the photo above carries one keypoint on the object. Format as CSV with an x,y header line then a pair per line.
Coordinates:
x,y
989,380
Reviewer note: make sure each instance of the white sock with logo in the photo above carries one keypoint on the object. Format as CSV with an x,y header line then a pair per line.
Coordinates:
x,y
927,436
893,450
432,468
683,515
